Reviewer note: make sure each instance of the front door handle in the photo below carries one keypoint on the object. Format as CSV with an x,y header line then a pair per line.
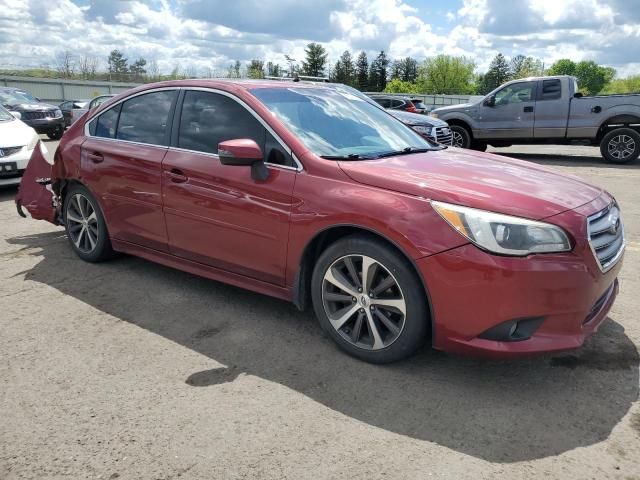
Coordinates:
x,y
528,109
95,157
177,175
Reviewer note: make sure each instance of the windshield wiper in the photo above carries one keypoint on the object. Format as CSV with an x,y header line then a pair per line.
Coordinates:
x,y
404,151
350,156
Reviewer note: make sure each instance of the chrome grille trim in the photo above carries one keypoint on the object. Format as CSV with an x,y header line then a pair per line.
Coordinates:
x,y
441,137
605,232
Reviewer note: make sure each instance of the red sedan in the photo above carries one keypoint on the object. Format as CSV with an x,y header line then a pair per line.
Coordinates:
x,y
311,194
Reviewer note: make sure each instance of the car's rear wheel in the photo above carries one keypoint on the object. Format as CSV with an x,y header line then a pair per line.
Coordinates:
x,y
621,145
368,298
85,225
56,134
460,137
479,146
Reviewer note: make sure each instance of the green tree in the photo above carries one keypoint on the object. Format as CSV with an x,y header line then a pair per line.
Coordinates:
x,y
623,85
523,67
405,69
498,73
562,67
446,74
273,70
378,72
315,61
344,70
137,67
362,72
117,62
395,85
256,69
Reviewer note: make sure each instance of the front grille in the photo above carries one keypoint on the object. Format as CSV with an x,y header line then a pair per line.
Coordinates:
x,y
6,151
11,174
443,135
606,236
38,115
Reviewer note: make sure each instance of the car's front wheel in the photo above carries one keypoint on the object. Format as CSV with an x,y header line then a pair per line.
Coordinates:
x,y
621,145
461,137
85,225
56,134
368,298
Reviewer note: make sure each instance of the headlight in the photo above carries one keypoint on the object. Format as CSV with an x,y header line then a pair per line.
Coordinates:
x,y
57,113
503,234
434,115
422,129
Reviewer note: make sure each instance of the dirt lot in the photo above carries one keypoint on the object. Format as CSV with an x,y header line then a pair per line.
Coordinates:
x,y
135,371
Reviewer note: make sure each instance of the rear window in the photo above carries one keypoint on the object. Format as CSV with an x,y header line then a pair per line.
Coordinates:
x,y
551,89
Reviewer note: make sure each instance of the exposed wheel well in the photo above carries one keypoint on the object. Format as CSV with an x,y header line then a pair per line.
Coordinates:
x,y
460,123
619,121
313,250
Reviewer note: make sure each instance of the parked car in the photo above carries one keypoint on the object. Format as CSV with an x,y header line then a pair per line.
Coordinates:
x,y
395,103
42,117
429,127
312,195
79,110
72,110
97,101
17,142
548,110
420,106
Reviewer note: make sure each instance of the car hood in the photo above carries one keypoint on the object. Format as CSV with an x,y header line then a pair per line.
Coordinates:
x,y
478,180
417,119
32,107
15,133
450,108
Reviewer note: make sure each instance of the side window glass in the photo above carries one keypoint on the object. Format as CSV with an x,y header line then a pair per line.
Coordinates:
x,y
551,89
516,93
210,118
105,125
145,118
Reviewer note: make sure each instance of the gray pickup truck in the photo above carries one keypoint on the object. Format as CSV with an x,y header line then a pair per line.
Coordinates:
x,y
548,110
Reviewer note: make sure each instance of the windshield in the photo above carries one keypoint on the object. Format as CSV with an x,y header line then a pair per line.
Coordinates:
x,y
5,116
336,123
14,97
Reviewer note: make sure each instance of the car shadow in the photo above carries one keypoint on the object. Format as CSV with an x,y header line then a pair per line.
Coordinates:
x,y
505,411
8,192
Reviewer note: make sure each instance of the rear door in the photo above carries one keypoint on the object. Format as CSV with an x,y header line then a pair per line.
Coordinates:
x,y
552,109
512,115
218,214
122,162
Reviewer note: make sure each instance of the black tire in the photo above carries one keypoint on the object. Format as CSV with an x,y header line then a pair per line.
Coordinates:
x,y
616,144
479,146
461,136
97,250
56,134
415,327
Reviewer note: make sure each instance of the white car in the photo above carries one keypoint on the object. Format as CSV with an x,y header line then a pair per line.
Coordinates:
x,y
17,141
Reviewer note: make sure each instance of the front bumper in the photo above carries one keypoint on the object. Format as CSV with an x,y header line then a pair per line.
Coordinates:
x,y
472,292
18,163
46,125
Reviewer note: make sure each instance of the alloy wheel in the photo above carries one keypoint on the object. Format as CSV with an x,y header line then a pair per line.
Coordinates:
x,y
621,147
364,302
458,139
82,223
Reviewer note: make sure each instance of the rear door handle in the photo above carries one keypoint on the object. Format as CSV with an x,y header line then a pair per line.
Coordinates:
x,y
95,157
177,175
528,109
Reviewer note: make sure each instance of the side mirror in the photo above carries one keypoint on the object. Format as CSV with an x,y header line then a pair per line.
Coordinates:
x,y
490,101
18,115
244,151
578,95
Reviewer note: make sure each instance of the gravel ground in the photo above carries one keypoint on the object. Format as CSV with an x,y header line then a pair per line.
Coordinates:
x,y
136,371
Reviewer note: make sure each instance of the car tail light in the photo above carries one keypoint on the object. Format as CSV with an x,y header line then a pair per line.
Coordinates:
x,y
412,108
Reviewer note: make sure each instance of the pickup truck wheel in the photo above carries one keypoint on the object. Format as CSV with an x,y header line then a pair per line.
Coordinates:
x,y
85,225
461,137
621,145
369,301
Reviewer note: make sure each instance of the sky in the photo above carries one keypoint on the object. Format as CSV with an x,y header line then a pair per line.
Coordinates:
x,y
209,35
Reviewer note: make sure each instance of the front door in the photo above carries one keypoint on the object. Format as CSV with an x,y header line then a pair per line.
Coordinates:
x,y
512,115
218,214
122,162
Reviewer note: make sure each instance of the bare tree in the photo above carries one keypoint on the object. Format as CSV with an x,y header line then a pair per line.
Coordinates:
x,y
153,70
87,65
190,72
65,63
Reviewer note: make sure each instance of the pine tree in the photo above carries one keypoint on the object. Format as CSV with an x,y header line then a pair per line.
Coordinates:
x,y
497,74
117,62
344,70
381,64
316,59
362,71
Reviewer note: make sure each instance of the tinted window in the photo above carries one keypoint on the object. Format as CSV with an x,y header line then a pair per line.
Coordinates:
x,y
397,103
551,89
105,125
145,118
516,93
